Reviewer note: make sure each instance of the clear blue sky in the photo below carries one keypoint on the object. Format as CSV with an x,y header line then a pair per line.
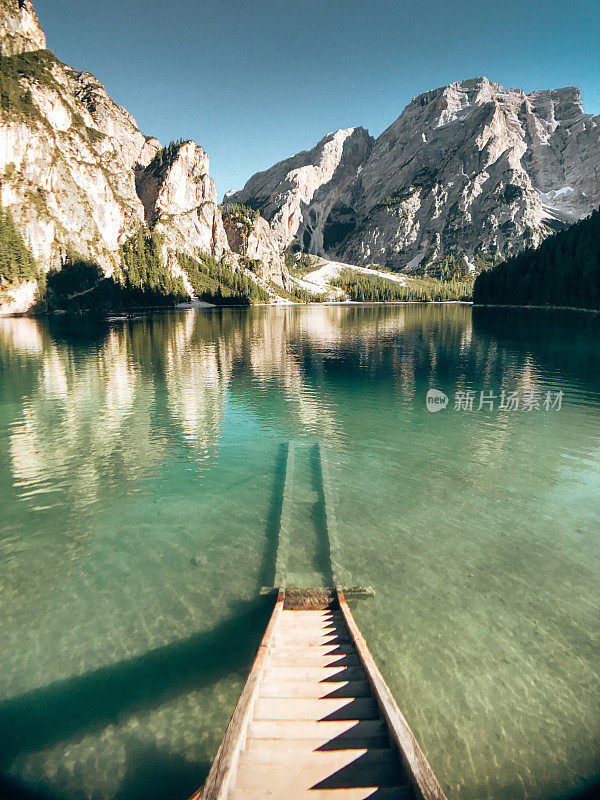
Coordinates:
x,y
256,81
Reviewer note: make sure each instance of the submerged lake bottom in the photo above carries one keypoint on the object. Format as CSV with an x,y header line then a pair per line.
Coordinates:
x,y
143,493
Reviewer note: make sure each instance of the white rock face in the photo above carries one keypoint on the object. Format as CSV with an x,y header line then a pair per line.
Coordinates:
x,y
18,299
75,174
66,181
180,200
20,30
256,240
470,166
75,171
296,195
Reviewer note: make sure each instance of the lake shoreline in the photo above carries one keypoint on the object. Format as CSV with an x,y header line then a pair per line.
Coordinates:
x,y
547,308
195,305
200,305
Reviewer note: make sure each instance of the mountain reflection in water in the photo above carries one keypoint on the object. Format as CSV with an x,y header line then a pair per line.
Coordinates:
x,y
140,474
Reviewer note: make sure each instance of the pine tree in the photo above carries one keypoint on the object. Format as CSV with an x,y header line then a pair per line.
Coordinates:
x,y
564,271
16,262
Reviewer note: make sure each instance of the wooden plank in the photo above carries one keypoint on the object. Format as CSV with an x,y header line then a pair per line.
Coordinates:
x,y
351,592
341,577
310,659
356,592
327,760
311,729
308,639
224,767
341,769
327,626
301,598
330,648
301,708
358,793
318,744
425,782
311,634
300,613
323,675
309,745
283,688
328,623
283,541
315,615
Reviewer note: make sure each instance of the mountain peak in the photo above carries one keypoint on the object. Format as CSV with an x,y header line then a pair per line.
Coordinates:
x,y
470,167
310,179
20,30
566,100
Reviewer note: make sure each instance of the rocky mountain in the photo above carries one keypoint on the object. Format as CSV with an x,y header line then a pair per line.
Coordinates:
x,y
470,168
20,30
251,237
296,196
76,173
466,174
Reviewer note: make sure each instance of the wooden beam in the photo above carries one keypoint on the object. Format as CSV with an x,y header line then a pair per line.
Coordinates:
x,y
424,780
340,575
224,766
283,540
353,592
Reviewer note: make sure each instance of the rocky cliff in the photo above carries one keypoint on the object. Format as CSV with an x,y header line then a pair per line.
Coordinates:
x,y
20,30
77,174
251,237
180,202
296,195
469,167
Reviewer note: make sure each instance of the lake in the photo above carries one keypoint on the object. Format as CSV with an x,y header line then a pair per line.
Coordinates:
x,y
141,470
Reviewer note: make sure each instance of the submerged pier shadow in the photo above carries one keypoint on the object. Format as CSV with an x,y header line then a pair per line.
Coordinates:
x,y
152,772
269,556
302,551
84,703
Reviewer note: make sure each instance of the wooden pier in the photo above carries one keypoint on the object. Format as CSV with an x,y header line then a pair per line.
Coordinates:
x,y
315,720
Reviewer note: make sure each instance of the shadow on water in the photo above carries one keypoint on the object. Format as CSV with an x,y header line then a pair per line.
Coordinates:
x,y
11,789
267,571
46,716
150,772
84,703
75,706
153,773
591,792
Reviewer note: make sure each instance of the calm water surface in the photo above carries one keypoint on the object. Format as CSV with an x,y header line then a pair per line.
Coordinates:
x,y
141,472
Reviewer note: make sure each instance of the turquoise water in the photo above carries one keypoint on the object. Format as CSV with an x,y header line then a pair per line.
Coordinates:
x,y
142,477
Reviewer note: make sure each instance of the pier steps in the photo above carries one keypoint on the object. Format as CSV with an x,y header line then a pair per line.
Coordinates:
x,y
316,730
